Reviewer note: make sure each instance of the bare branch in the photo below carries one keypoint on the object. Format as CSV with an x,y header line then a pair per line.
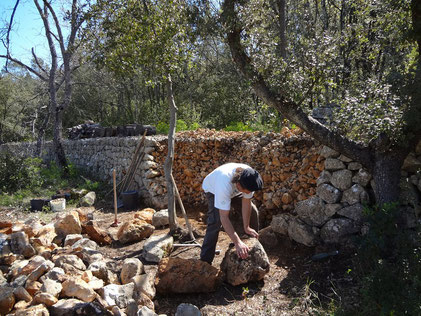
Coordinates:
x,y
9,29
30,69
37,61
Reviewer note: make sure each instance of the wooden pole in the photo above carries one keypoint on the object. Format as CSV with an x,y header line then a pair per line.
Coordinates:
x,y
115,224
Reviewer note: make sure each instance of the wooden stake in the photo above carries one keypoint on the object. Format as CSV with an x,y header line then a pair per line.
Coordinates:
x,y
115,224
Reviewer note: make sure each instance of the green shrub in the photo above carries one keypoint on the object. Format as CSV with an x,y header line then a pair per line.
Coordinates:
x,y
238,127
389,261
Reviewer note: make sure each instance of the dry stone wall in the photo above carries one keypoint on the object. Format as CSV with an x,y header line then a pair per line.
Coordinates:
x,y
289,163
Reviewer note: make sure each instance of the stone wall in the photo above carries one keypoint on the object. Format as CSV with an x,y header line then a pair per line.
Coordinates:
x,y
288,162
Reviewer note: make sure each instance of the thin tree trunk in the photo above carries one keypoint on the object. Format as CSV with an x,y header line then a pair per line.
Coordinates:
x,y
170,157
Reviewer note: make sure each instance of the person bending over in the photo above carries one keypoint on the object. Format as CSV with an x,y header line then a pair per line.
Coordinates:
x,y
226,183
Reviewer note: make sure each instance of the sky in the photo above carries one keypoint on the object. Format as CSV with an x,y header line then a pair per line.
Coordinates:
x,y
27,31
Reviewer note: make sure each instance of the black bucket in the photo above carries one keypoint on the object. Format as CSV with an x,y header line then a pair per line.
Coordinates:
x,y
130,200
38,204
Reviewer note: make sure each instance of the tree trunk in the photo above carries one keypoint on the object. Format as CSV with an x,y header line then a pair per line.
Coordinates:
x,y
41,134
170,157
60,156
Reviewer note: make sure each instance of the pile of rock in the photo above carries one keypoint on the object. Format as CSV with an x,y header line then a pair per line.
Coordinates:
x,y
62,268
289,163
336,211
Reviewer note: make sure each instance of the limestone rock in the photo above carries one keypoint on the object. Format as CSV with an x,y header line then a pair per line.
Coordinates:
x,y
45,298
157,247
79,289
161,218
342,179
88,199
7,299
146,311
68,223
96,234
328,193
185,309
328,152
178,275
312,211
37,310
146,215
355,194
268,238
71,239
135,230
354,212
324,177
68,307
238,271
52,287
119,295
332,164
303,233
145,283
130,268
19,243
338,228
280,223
362,177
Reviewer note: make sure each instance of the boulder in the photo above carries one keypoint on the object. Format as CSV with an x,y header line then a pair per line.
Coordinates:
x,y
146,215
19,243
328,193
96,234
312,211
161,218
78,288
280,223
145,284
238,271
7,299
72,307
178,275
354,212
303,233
157,247
88,199
268,238
356,194
324,177
68,223
342,179
332,164
185,309
131,267
362,177
134,231
37,310
119,295
335,230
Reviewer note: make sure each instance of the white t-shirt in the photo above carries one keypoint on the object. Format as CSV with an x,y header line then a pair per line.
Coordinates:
x,y
219,183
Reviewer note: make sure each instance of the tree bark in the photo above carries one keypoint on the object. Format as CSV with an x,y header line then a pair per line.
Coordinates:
x,y
170,157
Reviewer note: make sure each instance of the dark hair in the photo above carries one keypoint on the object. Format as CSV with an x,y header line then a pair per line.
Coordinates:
x,y
251,180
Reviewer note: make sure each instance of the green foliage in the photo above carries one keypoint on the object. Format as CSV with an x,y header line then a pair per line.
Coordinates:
x,y
237,127
389,259
163,128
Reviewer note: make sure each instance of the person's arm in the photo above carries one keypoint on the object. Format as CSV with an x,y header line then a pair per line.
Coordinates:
x,y
246,212
242,249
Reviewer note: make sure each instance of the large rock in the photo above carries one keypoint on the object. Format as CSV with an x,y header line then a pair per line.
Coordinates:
x,y
185,309
161,218
131,267
303,233
157,247
78,288
362,177
240,271
37,310
354,212
342,179
19,243
328,193
178,275
280,223
312,211
119,295
145,284
97,234
332,164
68,223
7,299
356,194
134,231
146,215
337,229
88,199
72,307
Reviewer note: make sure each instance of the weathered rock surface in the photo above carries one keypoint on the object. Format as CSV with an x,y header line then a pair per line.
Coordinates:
x,y
238,271
177,275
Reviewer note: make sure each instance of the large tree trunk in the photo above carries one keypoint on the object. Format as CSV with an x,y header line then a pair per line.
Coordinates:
x,y
170,157
60,156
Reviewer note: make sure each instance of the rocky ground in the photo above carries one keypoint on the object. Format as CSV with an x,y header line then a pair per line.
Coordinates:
x,y
295,285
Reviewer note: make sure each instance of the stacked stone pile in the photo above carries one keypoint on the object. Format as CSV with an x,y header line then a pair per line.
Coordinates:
x,y
288,162
62,268
336,211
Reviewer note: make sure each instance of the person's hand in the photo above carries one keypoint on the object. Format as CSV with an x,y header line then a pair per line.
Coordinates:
x,y
242,250
251,232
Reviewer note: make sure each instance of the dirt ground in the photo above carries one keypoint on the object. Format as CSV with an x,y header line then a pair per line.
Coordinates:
x,y
295,285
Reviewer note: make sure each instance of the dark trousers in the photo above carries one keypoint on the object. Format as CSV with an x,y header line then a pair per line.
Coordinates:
x,y
214,225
